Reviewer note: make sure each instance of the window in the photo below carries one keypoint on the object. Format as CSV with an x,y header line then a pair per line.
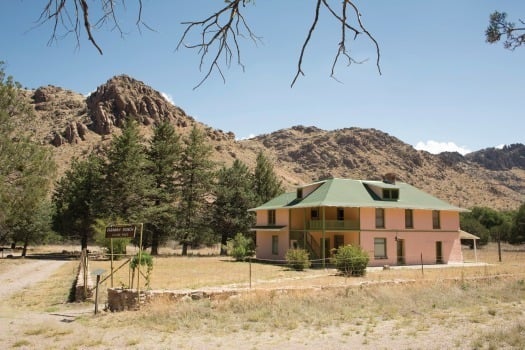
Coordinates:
x,y
340,213
299,193
391,194
436,222
409,218
380,248
314,213
380,218
275,245
271,217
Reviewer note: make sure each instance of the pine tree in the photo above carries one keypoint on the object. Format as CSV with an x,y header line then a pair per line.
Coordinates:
x,y
234,196
26,169
195,182
127,185
77,199
266,184
164,155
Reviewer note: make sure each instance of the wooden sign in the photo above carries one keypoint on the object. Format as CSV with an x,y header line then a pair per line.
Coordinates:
x,y
120,231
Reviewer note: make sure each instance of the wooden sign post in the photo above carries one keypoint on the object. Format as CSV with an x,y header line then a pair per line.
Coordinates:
x,y
119,231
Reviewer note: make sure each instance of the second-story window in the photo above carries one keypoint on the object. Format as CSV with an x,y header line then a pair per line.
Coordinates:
x,y
314,213
409,218
436,221
271,217
380,218
340,214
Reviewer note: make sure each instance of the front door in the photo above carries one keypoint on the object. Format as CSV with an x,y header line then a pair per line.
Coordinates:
x,y
439,252
401,252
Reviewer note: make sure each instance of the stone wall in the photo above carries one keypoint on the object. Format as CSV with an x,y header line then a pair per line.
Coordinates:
x,y
120,299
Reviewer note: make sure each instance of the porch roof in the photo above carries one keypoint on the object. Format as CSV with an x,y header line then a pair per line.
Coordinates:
x,y
267,228
355,193
467,235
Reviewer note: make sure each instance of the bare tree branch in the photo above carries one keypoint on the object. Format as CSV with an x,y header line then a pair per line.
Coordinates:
x,y
87,25
219,34
305,44
223,36
58,12
342,51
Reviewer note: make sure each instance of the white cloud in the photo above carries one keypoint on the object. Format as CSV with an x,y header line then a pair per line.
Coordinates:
x,y
500,146
436,147
251,136
168,98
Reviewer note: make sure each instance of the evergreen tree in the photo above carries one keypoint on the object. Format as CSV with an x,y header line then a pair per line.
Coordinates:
x,y
266,184
127,185
77,199
164,155
26,169
518,227
195,182
234,196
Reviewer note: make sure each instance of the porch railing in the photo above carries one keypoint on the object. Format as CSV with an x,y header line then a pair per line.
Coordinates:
x,y
333,225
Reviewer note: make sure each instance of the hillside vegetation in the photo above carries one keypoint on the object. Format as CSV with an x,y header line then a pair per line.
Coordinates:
x,y
73,125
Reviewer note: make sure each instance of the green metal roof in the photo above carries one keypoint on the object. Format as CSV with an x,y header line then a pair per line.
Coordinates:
x,y
358,193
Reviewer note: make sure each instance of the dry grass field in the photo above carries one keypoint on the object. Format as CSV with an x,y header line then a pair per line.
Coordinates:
x,y
462,307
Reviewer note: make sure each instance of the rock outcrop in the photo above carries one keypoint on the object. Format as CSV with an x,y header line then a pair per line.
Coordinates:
x,y
123,97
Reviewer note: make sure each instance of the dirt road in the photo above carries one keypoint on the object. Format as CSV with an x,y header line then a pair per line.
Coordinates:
x,y
24,275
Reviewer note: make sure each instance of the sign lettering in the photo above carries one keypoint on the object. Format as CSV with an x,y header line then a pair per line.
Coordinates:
x,y
120,231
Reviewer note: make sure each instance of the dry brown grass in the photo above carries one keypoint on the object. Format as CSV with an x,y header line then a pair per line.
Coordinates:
x,y
452,307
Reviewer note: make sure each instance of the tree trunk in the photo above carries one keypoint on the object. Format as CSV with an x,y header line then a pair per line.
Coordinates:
x,y
154,243
84,241
224,241
184,249
26,243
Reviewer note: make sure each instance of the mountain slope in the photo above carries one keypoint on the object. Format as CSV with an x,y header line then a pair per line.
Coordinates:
x,y
74,126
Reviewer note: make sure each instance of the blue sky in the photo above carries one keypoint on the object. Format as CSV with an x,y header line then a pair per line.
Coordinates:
x,y
442,87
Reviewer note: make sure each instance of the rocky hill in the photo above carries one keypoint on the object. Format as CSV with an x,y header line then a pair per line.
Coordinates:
x,y
506,158
74,125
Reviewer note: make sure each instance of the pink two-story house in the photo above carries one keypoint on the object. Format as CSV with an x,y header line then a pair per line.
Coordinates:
x,y
394,222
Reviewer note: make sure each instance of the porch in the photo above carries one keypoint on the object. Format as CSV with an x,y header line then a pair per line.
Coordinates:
x,y
322,245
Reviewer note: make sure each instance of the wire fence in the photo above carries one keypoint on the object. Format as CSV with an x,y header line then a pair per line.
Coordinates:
x,y
194,273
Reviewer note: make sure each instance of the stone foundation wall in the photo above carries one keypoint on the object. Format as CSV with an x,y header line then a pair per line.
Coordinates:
x,y
120,299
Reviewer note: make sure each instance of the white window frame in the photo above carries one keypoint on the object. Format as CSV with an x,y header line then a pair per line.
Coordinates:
x,y
380,241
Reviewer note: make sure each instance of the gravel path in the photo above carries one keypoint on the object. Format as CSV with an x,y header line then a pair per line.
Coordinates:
x,y
24,275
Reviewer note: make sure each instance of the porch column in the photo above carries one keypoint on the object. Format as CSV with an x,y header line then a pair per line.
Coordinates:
x,y
304,228
475,251
323,254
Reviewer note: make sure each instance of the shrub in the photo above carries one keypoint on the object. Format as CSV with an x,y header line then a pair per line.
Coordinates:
x,y
145,259
298,259
240,247
351,260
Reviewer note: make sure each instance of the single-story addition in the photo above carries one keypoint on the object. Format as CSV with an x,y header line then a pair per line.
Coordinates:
x,y
396,223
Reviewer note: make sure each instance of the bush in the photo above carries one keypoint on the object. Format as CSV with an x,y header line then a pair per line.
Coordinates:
x,y
145,259
351,260
298,259
240,247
